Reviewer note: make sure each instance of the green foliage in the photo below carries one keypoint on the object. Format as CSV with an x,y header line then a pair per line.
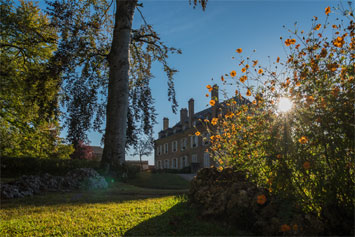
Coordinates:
x,y
28,87
86,37
307,154
159,181
15,167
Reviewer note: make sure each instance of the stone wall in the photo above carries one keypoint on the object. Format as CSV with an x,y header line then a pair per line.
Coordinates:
x,y
29,185
229,196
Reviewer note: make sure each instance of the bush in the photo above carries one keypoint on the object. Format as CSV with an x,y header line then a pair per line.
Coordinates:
x,y
307,154
185,170
15,167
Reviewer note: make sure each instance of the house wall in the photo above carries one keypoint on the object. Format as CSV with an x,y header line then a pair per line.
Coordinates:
x,y
188,152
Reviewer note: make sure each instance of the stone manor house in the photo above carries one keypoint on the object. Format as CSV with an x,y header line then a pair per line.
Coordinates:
x,y
178,147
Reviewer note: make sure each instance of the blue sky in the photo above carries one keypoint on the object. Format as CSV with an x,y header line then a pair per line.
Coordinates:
x,y
208,40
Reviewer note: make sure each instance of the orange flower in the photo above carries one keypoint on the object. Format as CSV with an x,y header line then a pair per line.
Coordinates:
x,y
260,71
254,102
255,62
197,133
285,228
334,26
339,42
212,102
278,59
335,91
243,69
306,165
318,27
248,93
220,168
333,67
214,121
222,78
288,42
303,140
209,87
243,79
261,199
323,53
327,11
236,92
233,73
310,99
239,50
247,66
298,83
207,95
278,156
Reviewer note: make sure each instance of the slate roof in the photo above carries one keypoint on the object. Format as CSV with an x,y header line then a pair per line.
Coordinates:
x,y
203,114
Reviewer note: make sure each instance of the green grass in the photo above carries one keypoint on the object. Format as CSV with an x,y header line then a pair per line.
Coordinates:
x,y
159,181
120,210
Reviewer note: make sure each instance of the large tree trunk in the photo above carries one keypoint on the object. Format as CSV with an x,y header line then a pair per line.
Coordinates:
x,y
117,102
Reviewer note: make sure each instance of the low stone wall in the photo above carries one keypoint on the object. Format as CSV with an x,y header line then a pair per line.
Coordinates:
x,y
229,196
28,185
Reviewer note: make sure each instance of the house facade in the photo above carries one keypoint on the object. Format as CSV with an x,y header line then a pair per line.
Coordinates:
x,y
178,147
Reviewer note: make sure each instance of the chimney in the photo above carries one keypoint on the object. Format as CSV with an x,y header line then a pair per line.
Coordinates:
x,y
183,115
191,112
214,96
165,123
214,93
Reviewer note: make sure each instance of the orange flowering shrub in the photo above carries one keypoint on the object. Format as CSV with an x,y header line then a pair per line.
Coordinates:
x,y
307,153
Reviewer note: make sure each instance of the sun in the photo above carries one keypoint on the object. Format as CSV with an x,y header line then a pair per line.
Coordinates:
x,y
284,105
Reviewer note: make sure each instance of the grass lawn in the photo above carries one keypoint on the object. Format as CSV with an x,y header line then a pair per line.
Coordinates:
x,y
159,181
122,209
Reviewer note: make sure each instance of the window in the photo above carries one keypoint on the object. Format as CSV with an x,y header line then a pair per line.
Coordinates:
x,y
174,166
194,141
166,165
194,158
183,144
206,160
160,150
206,139
166,148
185,161
174,146
181,163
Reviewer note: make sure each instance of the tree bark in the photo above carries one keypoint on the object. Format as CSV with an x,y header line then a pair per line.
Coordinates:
x,y
117,101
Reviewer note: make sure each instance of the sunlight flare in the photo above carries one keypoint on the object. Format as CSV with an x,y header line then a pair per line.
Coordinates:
x,y
284,105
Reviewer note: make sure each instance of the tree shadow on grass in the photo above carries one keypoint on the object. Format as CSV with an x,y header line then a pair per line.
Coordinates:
x,y
183,220
116,193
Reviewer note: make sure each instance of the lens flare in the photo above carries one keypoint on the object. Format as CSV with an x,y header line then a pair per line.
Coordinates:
x,y
284,105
